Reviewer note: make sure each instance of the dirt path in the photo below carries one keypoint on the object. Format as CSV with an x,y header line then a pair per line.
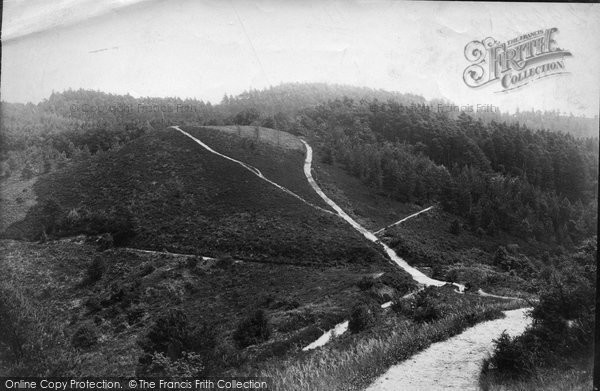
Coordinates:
x,y
453,364
250,168
404,219
415,274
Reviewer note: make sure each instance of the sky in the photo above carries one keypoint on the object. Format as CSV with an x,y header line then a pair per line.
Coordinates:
x,y
205,49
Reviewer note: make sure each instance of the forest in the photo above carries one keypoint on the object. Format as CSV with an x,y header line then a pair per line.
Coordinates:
x,y
532,183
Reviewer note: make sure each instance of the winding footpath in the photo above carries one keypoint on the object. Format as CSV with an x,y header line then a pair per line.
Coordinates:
x,y
453,364
248,167
417,275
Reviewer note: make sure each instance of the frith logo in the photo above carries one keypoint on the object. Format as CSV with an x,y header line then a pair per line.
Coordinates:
x,y
515,62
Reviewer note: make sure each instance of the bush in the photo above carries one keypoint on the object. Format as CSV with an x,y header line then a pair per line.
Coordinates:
x,y
173,338
191,263
404,307
563,320
426,309
105,241
135,314
146,268
252,330
167,335
93,304
471,286
51,215
511,357
401,282
365,283
226,262
361,318
85,336
95,270
455,227
27,172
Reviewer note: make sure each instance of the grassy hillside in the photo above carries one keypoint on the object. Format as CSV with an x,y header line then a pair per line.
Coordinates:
x,y
304,268
136,288
175,195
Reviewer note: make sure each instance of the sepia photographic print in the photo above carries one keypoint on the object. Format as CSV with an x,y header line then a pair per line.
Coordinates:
x,y
298,195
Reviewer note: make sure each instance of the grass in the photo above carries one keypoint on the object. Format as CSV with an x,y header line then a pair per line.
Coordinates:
x,y
135,288
263,135
577,378
184,199
352,362
16,198
304,268
282,165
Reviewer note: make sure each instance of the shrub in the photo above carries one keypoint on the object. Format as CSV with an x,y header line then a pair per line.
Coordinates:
x,y
361,318
172,337
135,314
96,270
404,307
85,336
225,262
146,268
93,304
365,283
510,356
191,262
105,241
563,320
471,286
51,214
27,172
452,275
455,227
426,308
252,330
401,282
167,335
73,216
123,229
437,272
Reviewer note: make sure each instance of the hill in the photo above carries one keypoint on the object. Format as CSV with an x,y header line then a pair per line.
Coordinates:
x,y
289,98
133,240
173,195
246,246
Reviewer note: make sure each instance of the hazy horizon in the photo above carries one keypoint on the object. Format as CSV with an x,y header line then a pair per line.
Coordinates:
x,y
206,49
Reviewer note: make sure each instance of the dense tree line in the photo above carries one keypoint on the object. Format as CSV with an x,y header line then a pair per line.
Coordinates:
x,y
552,120
499,176
74,125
